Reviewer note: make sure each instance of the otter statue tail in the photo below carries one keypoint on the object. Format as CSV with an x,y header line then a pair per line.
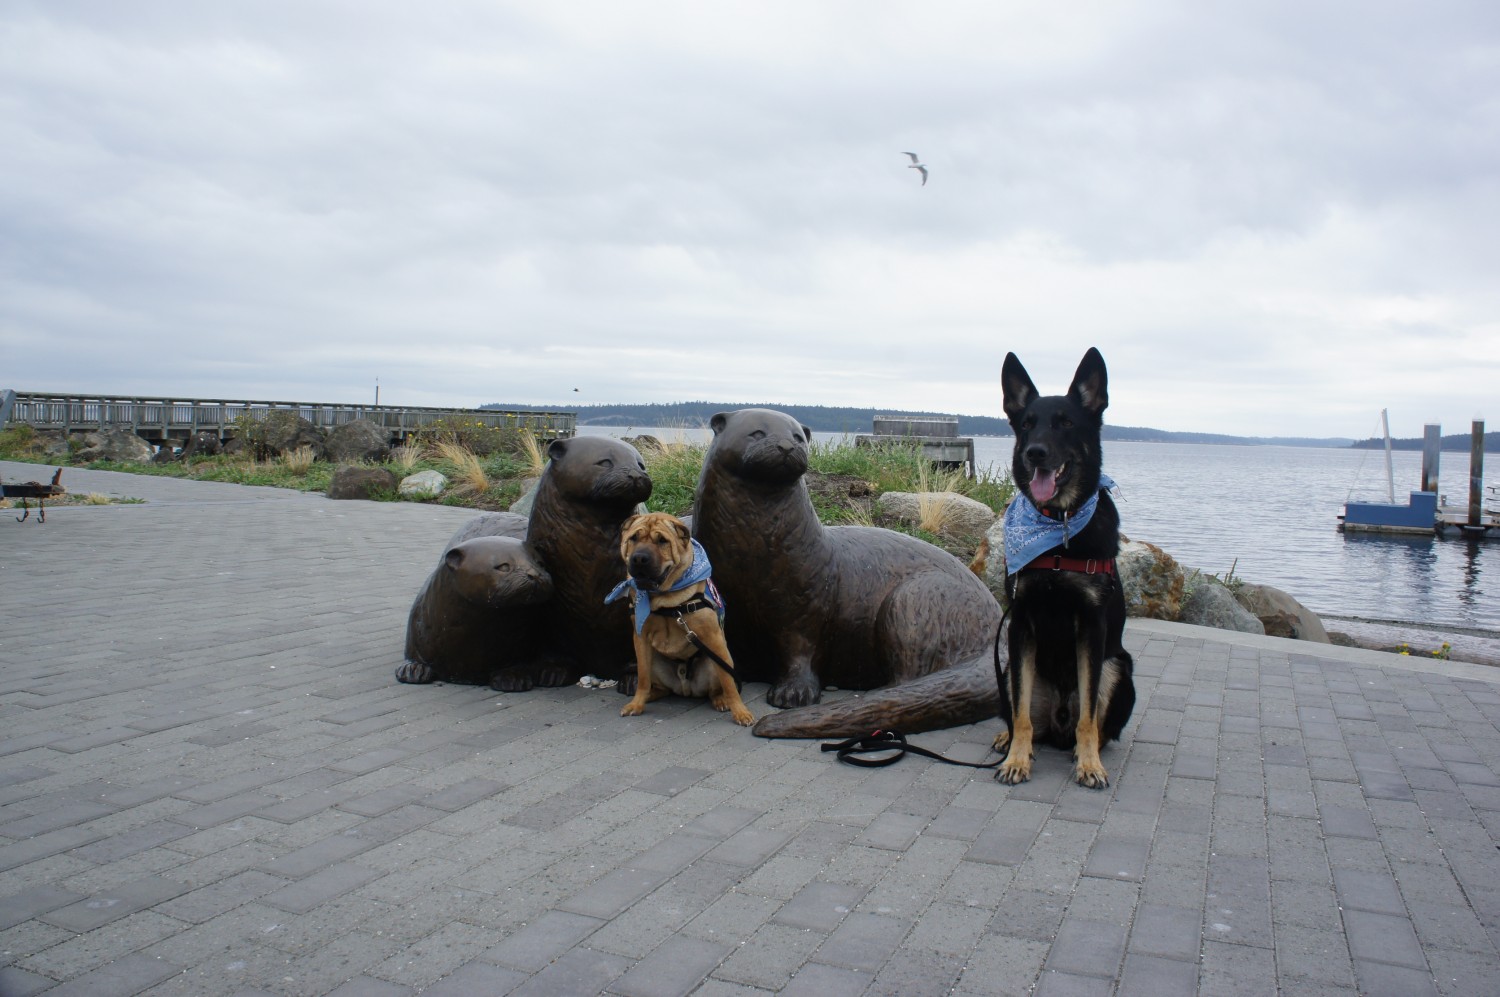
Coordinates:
x,y
964,694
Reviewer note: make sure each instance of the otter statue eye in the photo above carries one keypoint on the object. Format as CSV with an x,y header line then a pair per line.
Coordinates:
x,y
758,434
606,463
504,569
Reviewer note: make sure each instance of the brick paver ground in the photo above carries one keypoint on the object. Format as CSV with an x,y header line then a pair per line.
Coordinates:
x,y
210,783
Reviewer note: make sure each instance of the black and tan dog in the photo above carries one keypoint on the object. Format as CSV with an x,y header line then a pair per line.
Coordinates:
x,y
678,618
1069,681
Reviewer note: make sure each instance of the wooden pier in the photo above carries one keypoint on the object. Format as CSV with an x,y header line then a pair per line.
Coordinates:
x,y
167,420
937,436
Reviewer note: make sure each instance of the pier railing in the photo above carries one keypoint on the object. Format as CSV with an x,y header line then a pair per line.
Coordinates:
x,y
162,419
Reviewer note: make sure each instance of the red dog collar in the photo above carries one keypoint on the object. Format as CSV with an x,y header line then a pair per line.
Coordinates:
x,y
1089,566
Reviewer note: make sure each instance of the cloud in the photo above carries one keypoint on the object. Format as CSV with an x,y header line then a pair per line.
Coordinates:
x,y
1271,219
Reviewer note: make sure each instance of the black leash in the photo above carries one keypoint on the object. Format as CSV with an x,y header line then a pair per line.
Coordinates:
x,y
892,741
681,613
853,748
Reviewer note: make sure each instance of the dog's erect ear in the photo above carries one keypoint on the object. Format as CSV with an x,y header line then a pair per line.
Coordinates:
x,y
1090,387
557,449
1017,386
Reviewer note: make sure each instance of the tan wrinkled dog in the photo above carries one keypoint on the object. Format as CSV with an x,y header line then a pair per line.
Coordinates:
x,y
673,597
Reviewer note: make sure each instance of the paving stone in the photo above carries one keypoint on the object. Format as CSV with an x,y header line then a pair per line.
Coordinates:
x,y
267,790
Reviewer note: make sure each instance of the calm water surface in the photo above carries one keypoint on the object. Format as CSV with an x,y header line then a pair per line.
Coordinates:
x,y
1271,513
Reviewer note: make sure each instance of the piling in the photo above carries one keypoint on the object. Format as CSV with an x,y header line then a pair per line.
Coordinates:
x,y
1432,446
1476,474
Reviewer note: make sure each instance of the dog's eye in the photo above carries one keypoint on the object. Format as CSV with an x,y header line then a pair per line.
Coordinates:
x,y
1063,422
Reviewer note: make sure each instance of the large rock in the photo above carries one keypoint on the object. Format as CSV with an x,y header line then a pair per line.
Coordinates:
x,y
283,432
989,560
361,483
1152,580
1209,603
958,515
1280,614
113,443
202,444
423,485
358,440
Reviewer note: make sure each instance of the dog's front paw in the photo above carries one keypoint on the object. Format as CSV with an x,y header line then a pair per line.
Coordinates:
x,y
1015,769
1092,776
415,673
634,708
1002,742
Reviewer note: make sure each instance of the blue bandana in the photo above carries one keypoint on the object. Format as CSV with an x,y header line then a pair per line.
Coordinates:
x,y
1029,534
699,572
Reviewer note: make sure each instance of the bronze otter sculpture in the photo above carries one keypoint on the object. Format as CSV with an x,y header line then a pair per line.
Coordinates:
x,y
849,606
472,619
592,484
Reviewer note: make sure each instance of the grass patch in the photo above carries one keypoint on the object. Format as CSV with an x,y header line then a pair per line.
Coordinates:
x,y
843,478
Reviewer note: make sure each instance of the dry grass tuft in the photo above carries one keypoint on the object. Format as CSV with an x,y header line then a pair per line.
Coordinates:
x,y
531,454
298,461
468,469
935,493
406,457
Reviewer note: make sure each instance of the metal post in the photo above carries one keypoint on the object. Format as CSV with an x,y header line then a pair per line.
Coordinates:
x,y
1476,473
1390,478
1432,447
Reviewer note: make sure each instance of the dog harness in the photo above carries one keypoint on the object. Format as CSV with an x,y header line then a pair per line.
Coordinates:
x,y
640,595
1030,532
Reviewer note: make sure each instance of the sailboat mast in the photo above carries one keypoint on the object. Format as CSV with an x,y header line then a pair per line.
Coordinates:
x,y
1390,478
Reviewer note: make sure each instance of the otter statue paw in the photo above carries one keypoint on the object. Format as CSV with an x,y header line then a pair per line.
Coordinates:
x,y
415,673
555,673
517,679
802,690
627,682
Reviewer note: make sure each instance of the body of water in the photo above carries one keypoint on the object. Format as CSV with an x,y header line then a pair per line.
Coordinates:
x,y
1271,514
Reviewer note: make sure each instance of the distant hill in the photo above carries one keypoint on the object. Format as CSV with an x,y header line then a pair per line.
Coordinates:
x,y
834,419
1459,442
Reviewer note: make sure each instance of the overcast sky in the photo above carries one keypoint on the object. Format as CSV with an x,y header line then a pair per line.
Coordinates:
x,y
1273,218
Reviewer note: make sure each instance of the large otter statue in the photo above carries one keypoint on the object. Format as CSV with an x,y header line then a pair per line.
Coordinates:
x,y
592,484
855,607
472,620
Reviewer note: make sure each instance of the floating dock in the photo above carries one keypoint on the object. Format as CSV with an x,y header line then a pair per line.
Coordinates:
x,y
1423,514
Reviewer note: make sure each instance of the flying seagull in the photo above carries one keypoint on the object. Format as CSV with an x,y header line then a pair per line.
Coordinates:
x,y
916,164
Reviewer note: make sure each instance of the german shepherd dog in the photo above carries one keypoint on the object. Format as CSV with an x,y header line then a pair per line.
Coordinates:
x,y
1069,681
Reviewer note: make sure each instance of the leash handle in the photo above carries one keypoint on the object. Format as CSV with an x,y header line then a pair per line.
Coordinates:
x,y
851,749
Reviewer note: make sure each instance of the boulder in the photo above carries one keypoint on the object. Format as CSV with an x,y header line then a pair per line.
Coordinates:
x,y
282,432
358,440
202,445
1152,580
361,483
1210,604
957,515
113,443
522,505
423,485
1280,614
989,560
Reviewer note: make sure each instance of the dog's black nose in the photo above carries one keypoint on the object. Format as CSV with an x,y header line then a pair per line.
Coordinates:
x,y
1036,454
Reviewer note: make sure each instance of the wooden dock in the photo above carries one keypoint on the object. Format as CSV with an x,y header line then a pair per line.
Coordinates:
x,y
163,420
937,436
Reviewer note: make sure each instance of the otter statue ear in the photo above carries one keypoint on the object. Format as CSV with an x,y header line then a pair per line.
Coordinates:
x,y
718,422
454,558
807,434
557,449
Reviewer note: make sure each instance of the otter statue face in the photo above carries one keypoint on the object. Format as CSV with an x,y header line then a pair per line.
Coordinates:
x,y
760,445
599,470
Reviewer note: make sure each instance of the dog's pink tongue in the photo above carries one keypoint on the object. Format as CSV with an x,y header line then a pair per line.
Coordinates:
x,y
1043,485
